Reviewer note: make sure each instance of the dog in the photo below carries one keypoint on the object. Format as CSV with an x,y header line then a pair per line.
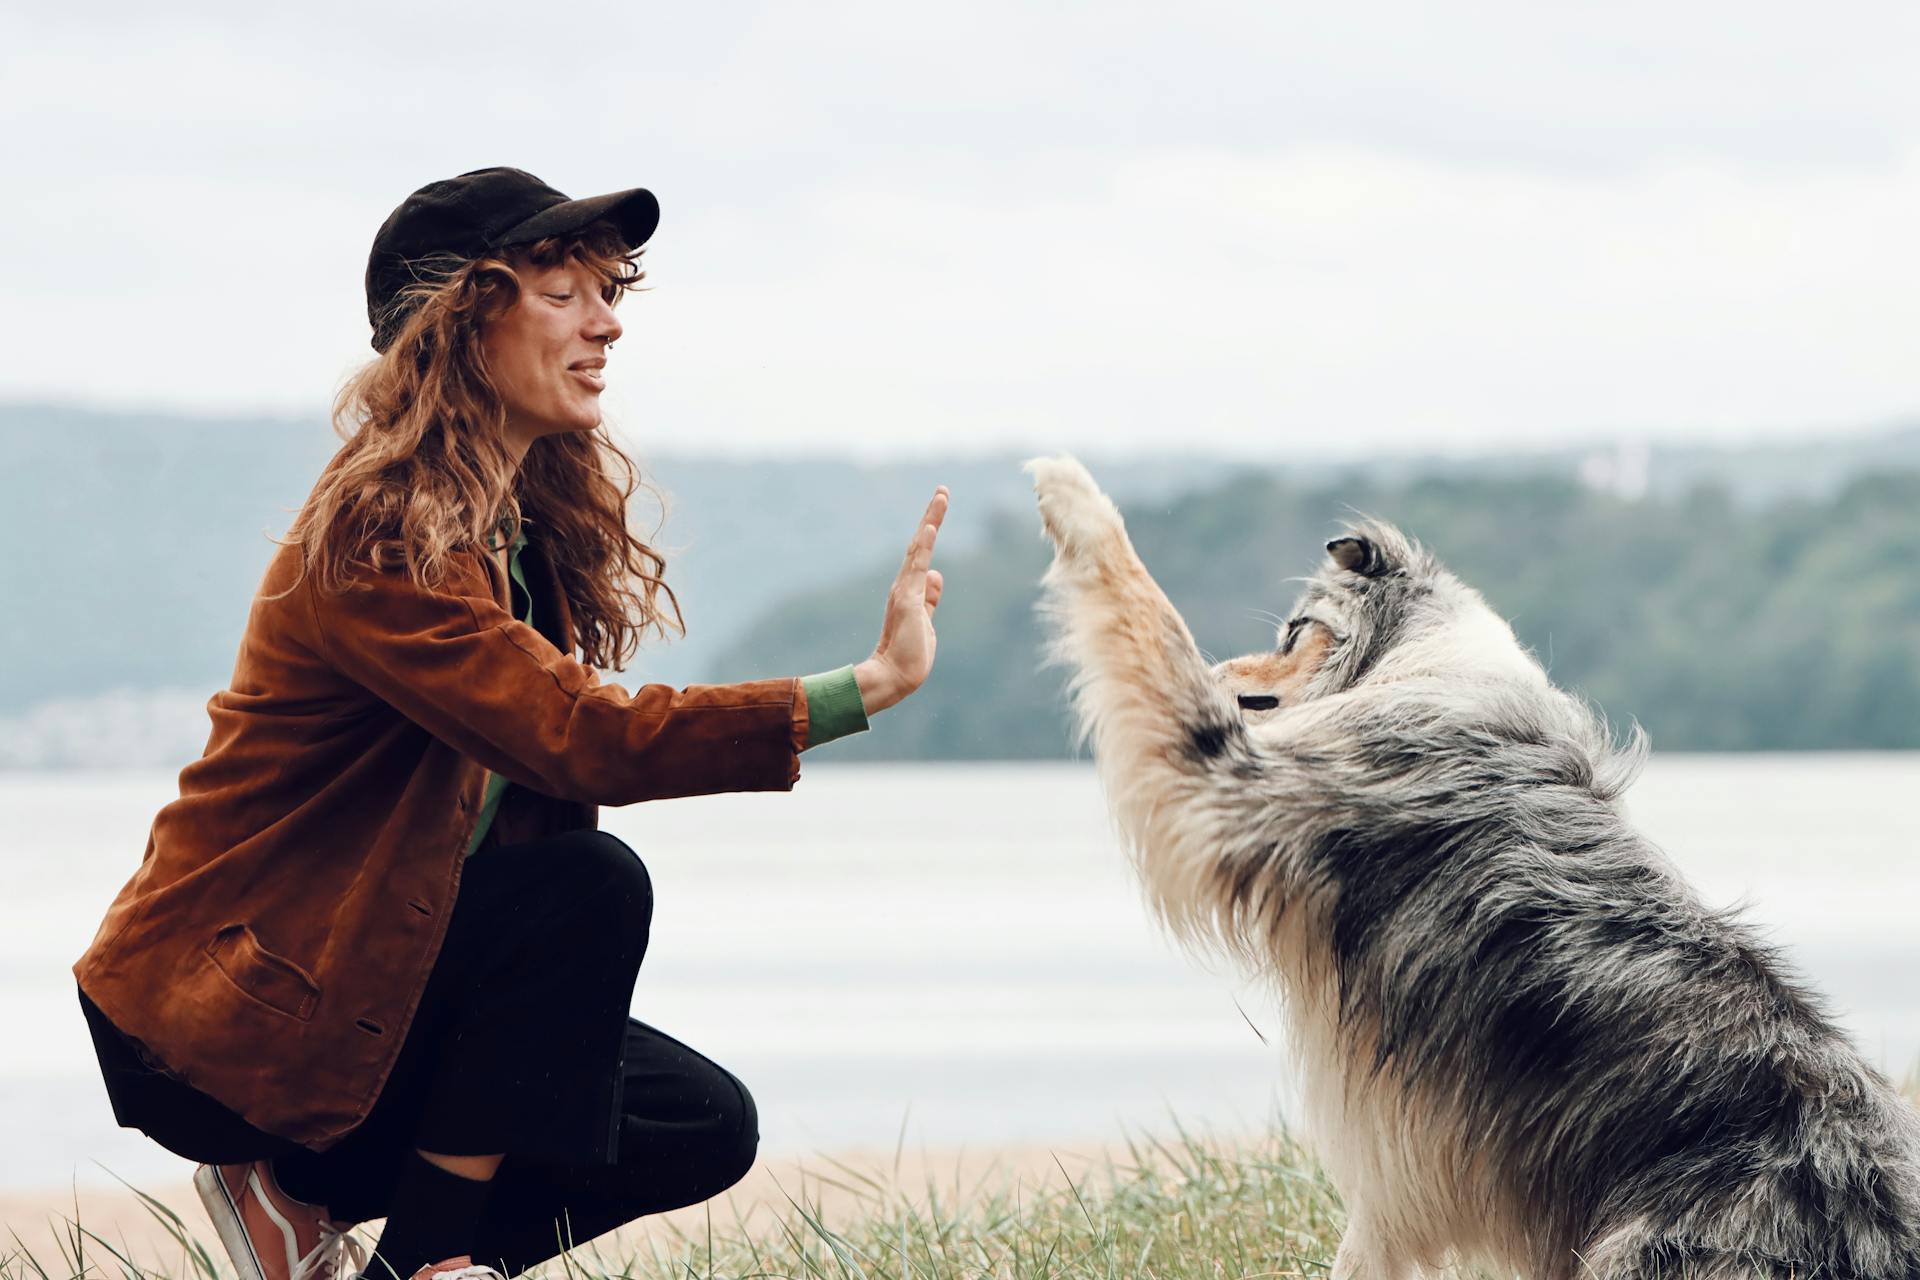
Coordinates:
x,y
1523,1040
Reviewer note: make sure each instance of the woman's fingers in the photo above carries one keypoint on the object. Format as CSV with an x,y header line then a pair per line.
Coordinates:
x,y
905,650
920,549
906,633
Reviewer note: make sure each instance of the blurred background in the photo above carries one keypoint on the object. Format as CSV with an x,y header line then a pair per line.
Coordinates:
x,y
1615,307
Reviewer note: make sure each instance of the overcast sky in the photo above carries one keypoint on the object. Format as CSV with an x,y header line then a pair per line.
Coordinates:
x,y
897,229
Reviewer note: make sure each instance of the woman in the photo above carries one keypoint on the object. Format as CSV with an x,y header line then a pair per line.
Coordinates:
x,y
377,959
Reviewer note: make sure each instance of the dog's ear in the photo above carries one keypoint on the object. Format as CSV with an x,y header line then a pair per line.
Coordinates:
x,y
1358,555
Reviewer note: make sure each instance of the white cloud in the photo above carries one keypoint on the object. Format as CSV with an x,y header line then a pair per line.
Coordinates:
x,y
1256,302
1257,227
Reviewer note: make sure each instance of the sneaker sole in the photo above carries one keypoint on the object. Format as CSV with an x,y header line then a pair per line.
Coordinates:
x,y
224,1213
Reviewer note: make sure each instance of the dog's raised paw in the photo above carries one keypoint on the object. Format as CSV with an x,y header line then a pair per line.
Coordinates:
x,y
1076,515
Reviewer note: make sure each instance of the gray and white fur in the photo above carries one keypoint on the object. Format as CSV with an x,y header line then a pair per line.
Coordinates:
x,y
1522,1038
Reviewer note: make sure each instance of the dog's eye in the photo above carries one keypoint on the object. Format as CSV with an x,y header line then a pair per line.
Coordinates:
x,y
1258,702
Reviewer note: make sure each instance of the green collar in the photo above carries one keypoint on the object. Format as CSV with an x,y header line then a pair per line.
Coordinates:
x,y
513,559
519,535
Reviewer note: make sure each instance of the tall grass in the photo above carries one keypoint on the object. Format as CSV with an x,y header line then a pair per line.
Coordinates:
x,y
1184,1209
1177,1210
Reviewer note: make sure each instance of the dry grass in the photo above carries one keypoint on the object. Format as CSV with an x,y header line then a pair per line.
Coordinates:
x,y
1177,1210
1150,1210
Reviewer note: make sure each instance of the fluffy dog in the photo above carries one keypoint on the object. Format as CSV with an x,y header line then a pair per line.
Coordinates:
x,y
1523,1039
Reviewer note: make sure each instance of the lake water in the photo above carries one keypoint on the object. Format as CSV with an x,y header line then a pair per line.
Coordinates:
x,y
958,953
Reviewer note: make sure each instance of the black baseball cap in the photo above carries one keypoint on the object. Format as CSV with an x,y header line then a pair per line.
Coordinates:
x,y
479,213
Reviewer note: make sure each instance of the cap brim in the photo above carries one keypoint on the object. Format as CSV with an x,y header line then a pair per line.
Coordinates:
x,y
634,213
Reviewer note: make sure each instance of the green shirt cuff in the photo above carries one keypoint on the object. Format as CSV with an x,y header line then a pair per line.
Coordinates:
x,y
834,709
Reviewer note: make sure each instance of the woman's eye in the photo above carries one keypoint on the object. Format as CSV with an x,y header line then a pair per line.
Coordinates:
x,y
561,297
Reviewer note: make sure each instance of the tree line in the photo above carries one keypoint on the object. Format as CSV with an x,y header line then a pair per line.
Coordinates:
x,y
1718,625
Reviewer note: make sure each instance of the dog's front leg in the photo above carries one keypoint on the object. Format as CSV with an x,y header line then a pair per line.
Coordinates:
x,y
1172,750
1366,1254
1143,693
1141,685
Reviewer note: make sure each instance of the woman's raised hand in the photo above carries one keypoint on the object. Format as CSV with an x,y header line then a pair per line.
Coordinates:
x,y
903,659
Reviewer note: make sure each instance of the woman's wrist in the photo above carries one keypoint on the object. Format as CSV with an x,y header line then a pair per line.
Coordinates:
x,y
880,685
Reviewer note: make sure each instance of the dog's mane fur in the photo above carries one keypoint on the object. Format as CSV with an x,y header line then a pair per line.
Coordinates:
x,y
1522,1035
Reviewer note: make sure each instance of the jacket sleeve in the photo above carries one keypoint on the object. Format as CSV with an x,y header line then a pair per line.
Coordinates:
x,y
467,671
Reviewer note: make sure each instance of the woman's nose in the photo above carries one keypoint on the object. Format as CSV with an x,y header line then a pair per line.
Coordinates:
x,y
606,325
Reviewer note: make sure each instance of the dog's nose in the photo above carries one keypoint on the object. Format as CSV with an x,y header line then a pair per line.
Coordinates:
x,y
1258,702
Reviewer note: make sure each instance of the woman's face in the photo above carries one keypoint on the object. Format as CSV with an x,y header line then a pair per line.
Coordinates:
x,y
547,352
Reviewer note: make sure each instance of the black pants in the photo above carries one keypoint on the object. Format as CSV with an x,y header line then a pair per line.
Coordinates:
x,y
522,1045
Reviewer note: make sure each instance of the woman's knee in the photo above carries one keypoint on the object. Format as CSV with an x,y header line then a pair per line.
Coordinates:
x,y
611,875
732,1140
741,1144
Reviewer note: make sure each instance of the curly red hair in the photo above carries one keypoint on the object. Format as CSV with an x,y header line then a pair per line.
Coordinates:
x,y
426,469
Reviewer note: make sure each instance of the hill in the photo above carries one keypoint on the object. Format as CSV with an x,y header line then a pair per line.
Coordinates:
x,y
144,536
1718,626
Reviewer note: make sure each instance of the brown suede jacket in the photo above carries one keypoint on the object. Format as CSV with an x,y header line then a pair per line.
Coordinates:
x,y
273,944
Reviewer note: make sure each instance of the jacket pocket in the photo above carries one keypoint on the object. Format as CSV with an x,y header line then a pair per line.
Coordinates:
x,y
274,981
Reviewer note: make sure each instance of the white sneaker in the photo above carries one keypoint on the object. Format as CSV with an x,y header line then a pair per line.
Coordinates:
x,y
268,1234
460,1268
